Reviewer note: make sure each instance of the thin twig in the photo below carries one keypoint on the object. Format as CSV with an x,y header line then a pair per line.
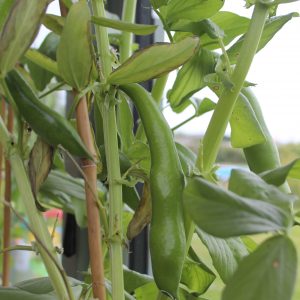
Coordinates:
x,y
7,216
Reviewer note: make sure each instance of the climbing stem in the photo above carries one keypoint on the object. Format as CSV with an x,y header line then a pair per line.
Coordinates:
x,y
217,126
107,106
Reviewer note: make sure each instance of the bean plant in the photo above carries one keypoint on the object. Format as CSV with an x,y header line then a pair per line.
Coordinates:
x,y
91,54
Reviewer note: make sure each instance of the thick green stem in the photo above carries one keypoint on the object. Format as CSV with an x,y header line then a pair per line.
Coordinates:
x,y
217,126
35,218
124,110
112,159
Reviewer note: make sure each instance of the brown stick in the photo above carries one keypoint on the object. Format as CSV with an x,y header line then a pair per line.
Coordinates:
x,y
94,228
7,215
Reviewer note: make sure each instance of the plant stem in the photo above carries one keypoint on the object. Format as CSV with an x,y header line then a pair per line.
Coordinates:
x,y
158,88
112,160
94,230
217,126
124,116
6,214
184,122
129,8
35,218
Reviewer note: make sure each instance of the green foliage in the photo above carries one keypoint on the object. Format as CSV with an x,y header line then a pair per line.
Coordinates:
x,y
181,198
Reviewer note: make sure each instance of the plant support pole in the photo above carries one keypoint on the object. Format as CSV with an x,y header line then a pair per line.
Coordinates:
x,y
94,228
217,126
107,105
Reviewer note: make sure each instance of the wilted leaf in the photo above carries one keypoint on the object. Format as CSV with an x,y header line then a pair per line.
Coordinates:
x,y
267,273
142,215
154,61
39,165
19,31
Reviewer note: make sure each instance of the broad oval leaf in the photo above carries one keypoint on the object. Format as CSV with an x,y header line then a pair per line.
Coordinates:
x,y
190,77
267,273
248,184
154,61
272,26
138,29
74,56
245,128
192,10
225,214
226,254
19,31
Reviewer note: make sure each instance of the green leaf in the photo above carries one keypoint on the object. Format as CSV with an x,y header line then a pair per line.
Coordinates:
x,y
146,292
192,10
154,61
232,24
42,61
225,214
245,128
202,106
267,273
40,76
138,29
37,289
19,31
54,23
226,254
190,78
272,26
5,6
74,57
134,280
279,175
187,159
196,276
248,184
158,3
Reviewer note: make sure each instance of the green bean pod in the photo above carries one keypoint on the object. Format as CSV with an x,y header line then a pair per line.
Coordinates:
x,y
48,124
167,237
264,156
